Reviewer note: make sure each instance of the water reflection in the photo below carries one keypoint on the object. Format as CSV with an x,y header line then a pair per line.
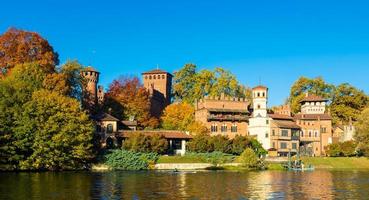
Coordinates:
x,y
186,185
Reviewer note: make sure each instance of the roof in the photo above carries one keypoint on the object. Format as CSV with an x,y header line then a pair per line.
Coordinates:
x,y
312,98
129,123
286,124
313,116
279,116
104,117
156,71
228,110
171,134
89,69
260,87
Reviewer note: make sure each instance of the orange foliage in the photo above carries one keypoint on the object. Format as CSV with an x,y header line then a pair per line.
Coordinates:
x,y
18,46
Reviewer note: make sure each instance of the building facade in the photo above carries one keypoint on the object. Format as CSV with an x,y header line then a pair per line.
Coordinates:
x,y
223,115
159,84
316,126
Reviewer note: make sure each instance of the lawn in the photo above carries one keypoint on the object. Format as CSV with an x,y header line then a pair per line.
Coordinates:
x,y
337,162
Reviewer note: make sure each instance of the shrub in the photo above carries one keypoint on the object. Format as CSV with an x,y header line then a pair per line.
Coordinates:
x,y
139,142
129,160
200,144
346,149
248,158
257,147
221,143
239,144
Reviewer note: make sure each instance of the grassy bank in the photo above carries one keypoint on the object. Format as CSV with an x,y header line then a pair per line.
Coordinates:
x,y
180,159
337,162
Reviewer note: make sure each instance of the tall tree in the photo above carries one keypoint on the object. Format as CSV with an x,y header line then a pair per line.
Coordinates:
x,y
129,94
348,102
190,85
59,133
18,46
181,116
362,131
303,85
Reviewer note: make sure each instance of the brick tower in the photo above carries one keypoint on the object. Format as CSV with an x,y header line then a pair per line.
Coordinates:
x,y
159,85
90,93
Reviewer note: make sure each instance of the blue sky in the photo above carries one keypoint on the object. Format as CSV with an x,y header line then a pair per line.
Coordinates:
x,y
275,41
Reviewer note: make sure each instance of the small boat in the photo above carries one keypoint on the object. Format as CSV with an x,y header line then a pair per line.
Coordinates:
x,y
297,165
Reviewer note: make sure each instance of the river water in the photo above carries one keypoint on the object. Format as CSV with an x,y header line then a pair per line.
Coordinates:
x,y
186,185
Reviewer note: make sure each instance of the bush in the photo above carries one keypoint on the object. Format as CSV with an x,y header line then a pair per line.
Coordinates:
x,y
258,148
248,158
200,144
346,149
139,142
221,143
239,144
129,160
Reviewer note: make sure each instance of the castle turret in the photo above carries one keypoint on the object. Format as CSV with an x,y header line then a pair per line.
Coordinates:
x,y
91,77
260,100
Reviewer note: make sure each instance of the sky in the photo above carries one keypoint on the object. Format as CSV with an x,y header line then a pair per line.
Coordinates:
x,y
271,42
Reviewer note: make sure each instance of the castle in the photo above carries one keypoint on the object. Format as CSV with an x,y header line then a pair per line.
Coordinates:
x,y
279,131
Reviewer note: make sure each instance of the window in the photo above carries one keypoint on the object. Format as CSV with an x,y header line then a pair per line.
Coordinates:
x,y
150,77
258,94
273,144
323,130
294,146
266,135
283,145
154,76
309,133
234,128
158,76
214,128
258,106
316,133
162,76
109,128
223,128
263,94
267,121
177,144
273,132
284,133
302,133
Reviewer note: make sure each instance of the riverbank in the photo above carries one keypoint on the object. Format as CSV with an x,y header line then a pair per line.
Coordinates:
x,y
348,163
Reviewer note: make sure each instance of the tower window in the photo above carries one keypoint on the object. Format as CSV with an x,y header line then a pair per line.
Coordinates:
x,y
150,77
258,94
145,77
163,76
258,106
266,135
154,76
263,94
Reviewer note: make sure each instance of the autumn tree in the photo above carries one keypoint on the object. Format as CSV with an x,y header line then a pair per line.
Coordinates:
x,y
348,103
181,116
305,85
18,46
362,131
129,94
190,84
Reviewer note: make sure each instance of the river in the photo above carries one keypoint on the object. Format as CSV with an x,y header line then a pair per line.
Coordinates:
x,y
322,184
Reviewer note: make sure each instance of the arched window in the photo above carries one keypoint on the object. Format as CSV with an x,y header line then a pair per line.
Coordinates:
x,y
214,128
263,94
258,94
150,77
109,128
154,76
258,106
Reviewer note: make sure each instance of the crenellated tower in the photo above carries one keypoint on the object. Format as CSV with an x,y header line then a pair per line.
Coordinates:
x,y
90,90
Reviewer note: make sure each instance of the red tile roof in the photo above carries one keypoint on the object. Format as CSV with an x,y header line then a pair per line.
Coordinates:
x,y
312,98
279,116
156,71
167,134
312,116
286,124
260,87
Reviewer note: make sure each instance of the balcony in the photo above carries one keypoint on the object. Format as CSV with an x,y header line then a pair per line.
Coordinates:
x,y
227,118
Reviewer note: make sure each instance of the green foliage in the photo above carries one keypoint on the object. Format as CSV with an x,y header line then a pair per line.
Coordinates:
x,y
204,143
345,149
248,158
303,85
362,132
189,85
348,102
139,142
200,143
129,160
239,144
214,157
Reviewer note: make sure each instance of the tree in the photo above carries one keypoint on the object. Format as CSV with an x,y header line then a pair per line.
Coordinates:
x,y
348,102
61,133
239,144
221,143
201,144
178,116
134,99
18,47
305,85
190,85
362,131
248,158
